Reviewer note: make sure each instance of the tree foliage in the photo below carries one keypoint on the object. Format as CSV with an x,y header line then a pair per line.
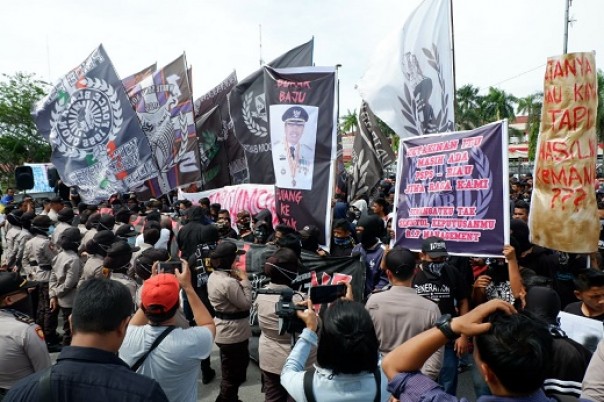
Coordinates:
x,y
19,139
350,122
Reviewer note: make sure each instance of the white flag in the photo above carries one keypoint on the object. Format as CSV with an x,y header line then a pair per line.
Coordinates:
x,y
409,83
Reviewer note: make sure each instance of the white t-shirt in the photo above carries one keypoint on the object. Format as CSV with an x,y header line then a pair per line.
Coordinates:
x,y
162,243
175,363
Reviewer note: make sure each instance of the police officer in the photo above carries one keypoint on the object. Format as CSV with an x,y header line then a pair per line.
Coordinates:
x,y
37,265
292,159
230,293
21,340
65,219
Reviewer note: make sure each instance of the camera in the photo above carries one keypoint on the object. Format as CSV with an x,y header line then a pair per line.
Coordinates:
x,y
169,267
285,309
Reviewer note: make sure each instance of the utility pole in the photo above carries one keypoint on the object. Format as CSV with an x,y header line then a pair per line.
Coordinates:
x,y
566,21
260,43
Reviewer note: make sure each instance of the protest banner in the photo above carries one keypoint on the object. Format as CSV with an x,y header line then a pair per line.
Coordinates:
x,y
247,107
218,97
249,197
213,158
96,140
409,82
302,127
563,204
454,186
164,106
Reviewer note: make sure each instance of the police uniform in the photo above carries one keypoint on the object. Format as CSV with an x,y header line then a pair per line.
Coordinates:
x,y
21,340
59,229
37,264
293,163
64,277
22,238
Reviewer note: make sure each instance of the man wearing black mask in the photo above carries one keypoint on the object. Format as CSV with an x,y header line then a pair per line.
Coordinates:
x,y
442,283
342,241
369,229
21,340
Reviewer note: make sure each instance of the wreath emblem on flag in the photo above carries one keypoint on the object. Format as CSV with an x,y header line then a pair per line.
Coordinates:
x,y
255,121
90,118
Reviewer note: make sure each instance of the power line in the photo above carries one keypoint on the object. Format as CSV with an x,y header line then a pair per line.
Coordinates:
x,y
518,75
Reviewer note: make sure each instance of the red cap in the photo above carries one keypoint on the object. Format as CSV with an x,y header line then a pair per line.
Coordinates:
x,y
160,294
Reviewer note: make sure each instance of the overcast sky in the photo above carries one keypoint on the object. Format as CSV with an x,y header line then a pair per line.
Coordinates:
x,y
496,41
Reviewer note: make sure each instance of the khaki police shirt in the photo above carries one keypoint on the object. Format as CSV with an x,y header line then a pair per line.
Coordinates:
x,y
22,238
273,348
22,346
11,242
38,251
59,229
92,269
85,238
64,277
399,314
228,295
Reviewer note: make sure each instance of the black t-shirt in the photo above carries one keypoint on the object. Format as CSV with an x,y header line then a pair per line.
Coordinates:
x,y
443,290
575,308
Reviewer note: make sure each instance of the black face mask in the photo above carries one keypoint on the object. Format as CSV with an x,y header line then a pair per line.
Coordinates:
x,y
24,306
434,268
261,235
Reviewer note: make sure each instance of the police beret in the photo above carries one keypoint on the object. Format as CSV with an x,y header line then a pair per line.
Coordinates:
x,y
295,113
66,214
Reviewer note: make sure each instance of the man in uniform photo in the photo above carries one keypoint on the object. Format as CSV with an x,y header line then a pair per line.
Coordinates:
x,y
293,159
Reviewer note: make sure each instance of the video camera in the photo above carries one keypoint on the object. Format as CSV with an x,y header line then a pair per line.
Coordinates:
x,y
285,309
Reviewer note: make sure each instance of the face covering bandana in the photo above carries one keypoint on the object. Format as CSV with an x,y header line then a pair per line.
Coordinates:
x,y
434,268
341,241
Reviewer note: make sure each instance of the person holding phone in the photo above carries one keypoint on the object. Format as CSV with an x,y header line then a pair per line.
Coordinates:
x,y
230,293
175,360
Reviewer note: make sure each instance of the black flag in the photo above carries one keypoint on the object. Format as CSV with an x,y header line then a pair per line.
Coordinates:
x,y
235,161
248,111
371,153
212,155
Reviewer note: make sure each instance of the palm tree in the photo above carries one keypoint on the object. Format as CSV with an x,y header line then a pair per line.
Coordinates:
x,y
497,105
531,105
600,115
350,122
468,107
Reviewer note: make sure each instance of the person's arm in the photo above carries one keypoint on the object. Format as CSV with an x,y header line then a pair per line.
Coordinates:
x,y
411,355
72,275
202,316
518,290
479,294
292,375
462,344
240,296
36,349
593,383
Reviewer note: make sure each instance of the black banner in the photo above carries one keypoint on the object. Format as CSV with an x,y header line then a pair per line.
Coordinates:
x,y
247,107
302,125
218,97
316,270
212,155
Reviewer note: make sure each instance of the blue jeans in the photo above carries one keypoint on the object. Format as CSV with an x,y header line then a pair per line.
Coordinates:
x,y
448,372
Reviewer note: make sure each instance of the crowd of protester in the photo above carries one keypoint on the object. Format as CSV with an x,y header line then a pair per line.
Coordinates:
x,y
146,289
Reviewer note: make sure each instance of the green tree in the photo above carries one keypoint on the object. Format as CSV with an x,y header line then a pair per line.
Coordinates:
x,y
497,105
600,115
531,106
468,107
350,122
19,139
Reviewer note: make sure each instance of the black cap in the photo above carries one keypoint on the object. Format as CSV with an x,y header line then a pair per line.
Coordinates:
x,y
226,249
310,231
11,282
118,255
42,221
56,200
126,231
14,218
123,214
435,247
400,261
71,235
66,215
106,222
295,113
104,237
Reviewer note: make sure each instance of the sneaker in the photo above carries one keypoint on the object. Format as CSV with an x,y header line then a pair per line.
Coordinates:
x,y
208,375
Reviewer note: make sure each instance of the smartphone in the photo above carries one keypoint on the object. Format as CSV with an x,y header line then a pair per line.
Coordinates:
x,y
168,267
327,293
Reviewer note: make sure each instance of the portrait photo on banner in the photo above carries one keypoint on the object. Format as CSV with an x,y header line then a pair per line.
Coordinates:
x,y
293,131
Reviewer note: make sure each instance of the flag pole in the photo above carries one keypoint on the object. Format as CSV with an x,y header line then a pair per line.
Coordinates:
x,y
453,58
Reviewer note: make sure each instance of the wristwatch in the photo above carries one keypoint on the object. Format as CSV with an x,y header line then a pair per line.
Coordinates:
x,y
444,324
